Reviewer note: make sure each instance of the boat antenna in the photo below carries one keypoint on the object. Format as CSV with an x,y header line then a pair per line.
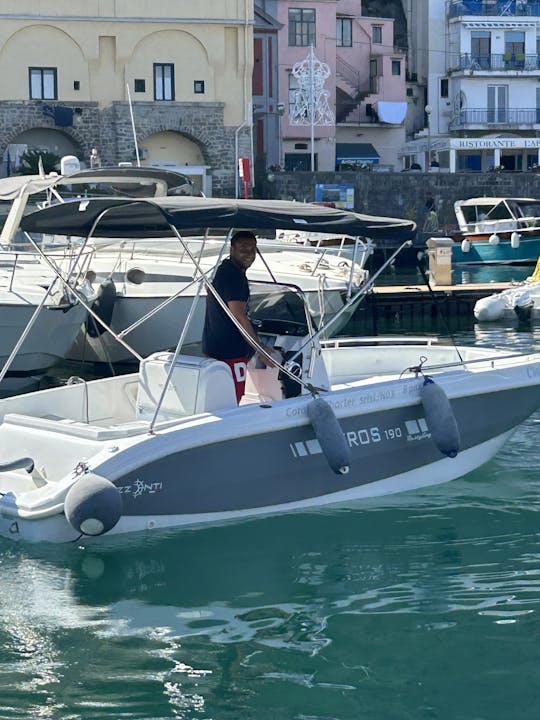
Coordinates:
x,y
133,126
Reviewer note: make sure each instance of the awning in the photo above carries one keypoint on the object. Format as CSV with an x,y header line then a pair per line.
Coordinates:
x,y
356,153
391,112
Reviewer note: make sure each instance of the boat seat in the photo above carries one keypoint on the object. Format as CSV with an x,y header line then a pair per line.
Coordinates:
x,y
197,385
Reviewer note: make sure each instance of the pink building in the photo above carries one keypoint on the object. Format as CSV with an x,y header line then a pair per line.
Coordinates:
x,y
366,85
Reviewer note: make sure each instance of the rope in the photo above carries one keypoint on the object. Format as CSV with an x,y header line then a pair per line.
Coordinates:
x,y
440,310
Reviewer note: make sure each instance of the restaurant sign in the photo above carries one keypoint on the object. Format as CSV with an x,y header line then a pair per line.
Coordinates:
x,y
493,143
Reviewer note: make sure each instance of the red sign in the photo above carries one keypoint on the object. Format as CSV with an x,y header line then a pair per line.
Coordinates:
x,y
245,174
244,169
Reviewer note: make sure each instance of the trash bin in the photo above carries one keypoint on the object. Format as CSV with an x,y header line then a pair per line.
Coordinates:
x,y
440,260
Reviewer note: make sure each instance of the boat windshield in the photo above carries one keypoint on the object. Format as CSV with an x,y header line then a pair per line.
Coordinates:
x,y
479,213
525,209
135,189
278,309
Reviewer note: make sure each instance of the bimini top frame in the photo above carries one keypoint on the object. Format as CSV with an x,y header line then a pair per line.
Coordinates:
x,y
163,217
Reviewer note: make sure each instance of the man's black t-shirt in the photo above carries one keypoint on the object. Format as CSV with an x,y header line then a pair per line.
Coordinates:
x,y
221,339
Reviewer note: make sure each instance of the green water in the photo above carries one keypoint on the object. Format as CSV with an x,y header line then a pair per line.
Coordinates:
x,y
419,606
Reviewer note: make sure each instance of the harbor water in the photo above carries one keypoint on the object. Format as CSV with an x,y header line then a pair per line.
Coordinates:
x,y
424,605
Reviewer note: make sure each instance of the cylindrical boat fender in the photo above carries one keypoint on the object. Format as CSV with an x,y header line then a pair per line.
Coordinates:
x,y
330,436
515,238
494,239
103,307
440,418
93,505
465,245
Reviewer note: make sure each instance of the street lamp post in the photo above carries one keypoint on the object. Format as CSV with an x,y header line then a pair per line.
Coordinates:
x,y
280,107
427,110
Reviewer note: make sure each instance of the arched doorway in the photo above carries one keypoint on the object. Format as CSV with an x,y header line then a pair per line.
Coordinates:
x,y
175,151
44,139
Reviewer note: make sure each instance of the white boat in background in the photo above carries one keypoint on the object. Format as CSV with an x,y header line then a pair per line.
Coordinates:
x,y
521,301
331,422
137,275
39,316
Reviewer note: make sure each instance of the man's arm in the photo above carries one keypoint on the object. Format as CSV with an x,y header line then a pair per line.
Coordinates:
x,y
239,309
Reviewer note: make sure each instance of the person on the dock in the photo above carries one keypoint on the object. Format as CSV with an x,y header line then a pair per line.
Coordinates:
x,y
221,338
431,223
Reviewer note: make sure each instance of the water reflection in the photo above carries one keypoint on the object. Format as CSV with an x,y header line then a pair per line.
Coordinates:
x,y
214,621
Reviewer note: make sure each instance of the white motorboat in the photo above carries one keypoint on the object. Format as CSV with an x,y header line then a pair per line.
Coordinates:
x,y
520,301
333,422
140,276
134,277
39,317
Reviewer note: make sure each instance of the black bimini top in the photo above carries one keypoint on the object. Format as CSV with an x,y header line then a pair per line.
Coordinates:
x,y
130,218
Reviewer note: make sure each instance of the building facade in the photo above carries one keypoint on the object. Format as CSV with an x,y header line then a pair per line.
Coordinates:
x,y
362,96
69,70
482,71
267,109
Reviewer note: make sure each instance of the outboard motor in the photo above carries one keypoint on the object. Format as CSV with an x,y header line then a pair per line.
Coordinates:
x,y
523,306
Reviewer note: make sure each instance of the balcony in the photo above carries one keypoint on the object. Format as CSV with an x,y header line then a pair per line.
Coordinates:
x,y
508,8
498,117
498,63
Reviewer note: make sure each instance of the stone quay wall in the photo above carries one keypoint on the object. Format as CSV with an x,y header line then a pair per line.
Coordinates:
x,y
110,131
404,195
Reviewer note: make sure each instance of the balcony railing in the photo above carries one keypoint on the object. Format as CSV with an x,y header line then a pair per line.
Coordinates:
x,y
497,62
521,8
496,116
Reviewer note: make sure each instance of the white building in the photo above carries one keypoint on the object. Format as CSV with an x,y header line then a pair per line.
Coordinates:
x,y
482,67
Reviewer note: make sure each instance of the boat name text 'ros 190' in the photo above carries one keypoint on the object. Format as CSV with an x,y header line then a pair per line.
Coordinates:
x,y
334,420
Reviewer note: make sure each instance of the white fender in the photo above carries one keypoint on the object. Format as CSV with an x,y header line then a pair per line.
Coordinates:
x,y
515,238
440,418
465,245
330,436
494,239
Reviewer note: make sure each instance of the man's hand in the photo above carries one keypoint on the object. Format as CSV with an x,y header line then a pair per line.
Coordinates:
x,y
263,358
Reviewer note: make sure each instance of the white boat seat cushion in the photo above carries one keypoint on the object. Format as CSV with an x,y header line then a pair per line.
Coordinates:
x,y
197,385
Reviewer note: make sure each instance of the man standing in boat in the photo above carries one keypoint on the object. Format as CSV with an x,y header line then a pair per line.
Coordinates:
x,y
221,338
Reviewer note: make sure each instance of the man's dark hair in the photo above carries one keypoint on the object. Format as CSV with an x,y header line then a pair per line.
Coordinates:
x,y
243,235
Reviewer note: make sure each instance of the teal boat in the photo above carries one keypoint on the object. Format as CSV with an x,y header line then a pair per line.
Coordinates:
x,y
497,231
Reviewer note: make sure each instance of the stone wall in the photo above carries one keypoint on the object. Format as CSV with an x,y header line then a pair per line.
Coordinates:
x,y
109,129
404,194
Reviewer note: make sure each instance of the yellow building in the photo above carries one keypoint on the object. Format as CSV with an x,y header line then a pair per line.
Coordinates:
x,y
70,67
